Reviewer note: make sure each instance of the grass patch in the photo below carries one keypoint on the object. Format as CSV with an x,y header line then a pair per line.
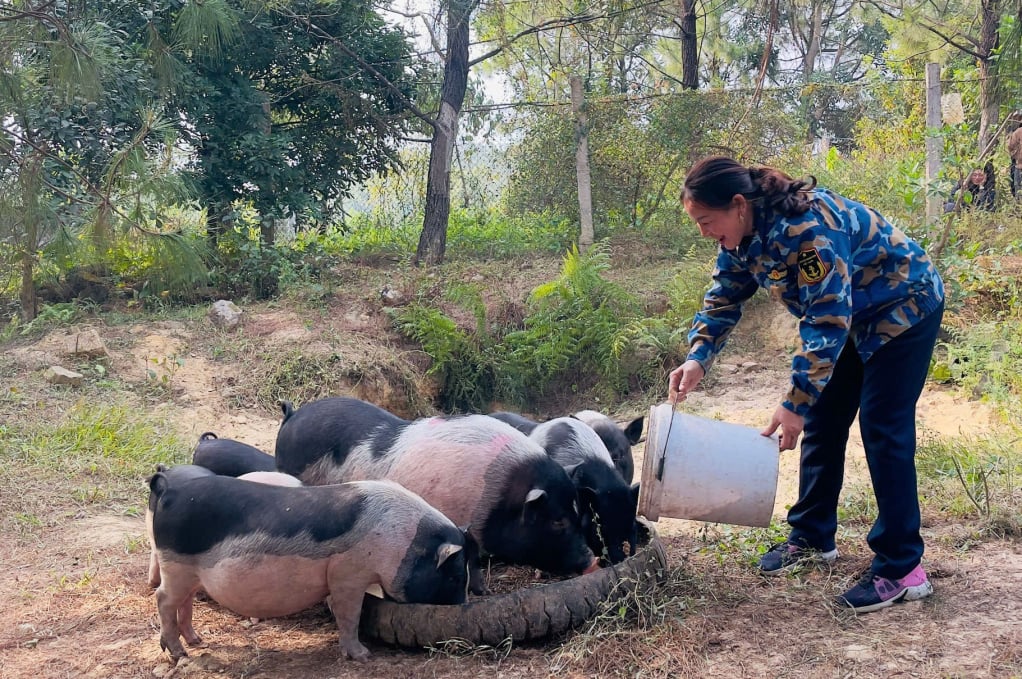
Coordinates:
x,y
96,454
974,478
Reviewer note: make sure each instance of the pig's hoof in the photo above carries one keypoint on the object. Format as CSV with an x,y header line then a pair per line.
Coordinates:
x,y
194,640
176,650
355,650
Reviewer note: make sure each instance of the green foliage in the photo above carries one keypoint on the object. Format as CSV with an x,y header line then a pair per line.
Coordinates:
x,y
582,337
570,333
639,151
102,442
462,362
50,316
649,347
245,266
986,360
968,476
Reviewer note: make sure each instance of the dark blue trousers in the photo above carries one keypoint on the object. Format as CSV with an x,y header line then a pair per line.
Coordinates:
x,y
883,391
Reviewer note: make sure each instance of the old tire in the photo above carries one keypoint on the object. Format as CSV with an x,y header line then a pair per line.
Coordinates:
x,y
527,614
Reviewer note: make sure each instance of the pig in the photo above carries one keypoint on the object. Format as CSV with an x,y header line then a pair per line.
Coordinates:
x,y
229,457
519,422
267,551
518,504
619,441
179,472
607,504
189,471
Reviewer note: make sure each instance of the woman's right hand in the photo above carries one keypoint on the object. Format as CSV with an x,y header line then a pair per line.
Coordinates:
x,y
683,379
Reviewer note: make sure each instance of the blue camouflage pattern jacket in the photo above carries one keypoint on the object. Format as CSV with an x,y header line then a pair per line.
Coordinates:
x,y
842,268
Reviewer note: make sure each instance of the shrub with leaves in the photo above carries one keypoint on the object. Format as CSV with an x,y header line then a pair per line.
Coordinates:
x,y
462,359
570,336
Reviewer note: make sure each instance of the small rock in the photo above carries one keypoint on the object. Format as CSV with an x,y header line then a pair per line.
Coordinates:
x,y
391,297
751,365
859,652
225,314
57,375
26,628
87,344
729,368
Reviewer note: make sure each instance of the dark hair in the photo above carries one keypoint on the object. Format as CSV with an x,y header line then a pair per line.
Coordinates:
x,y
716,180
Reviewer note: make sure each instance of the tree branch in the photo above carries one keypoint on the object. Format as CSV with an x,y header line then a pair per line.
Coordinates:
x,y
365,65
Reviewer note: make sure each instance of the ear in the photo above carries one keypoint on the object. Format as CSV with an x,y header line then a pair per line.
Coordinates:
x,y
207,436
633,432
446,551
587,500
534,501
633,495
574,472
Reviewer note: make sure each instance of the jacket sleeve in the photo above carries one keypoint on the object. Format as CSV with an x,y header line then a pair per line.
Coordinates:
x,y
826,296
722,308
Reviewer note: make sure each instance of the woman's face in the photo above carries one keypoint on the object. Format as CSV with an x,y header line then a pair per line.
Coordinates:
x,y
728,226
978,177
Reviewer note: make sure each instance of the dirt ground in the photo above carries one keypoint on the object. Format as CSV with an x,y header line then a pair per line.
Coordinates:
x,y
76,603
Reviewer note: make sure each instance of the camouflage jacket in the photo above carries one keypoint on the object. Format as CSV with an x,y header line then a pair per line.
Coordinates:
x,y
841,268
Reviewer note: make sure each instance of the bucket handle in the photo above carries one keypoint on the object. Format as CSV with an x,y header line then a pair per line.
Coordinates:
x,y
667,438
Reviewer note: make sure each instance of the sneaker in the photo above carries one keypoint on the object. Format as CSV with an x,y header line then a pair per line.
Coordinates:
x,y
873,592
788,556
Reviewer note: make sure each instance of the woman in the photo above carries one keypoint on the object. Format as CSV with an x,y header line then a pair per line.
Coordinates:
x,y
870,303
981,187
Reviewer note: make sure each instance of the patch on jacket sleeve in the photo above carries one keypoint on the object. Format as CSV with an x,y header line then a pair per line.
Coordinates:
x,y
810,265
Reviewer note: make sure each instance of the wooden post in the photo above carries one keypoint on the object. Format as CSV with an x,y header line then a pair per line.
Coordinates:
x,y
934,142
585,191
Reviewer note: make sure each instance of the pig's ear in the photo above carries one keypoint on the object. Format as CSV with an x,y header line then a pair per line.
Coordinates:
x,y
587,499
633,432
572,470
533,503
633,494
158,483
445,552
207,436
160,467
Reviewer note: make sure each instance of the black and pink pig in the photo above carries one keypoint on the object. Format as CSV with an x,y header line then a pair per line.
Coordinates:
x,y
619,441
229,457
518,504
266,551
607,504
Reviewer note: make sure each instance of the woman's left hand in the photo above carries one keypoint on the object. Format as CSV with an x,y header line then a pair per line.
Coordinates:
x,y
791,426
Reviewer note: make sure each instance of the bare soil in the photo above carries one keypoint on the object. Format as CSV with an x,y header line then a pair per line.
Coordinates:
x,y
76,603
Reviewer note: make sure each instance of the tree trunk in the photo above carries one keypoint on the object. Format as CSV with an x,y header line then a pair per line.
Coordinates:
x,y
585,192
689,46
989,102
29,305
31,198
433,240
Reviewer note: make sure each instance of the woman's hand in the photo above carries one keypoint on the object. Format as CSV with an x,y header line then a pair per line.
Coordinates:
x,y
791,426
682,380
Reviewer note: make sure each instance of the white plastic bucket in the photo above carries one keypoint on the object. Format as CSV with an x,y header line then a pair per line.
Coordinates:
x,y
707,470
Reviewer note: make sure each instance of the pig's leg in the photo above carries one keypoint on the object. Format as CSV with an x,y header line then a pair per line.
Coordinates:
x,y
348,582
154,560
184,621
154,570
174,594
